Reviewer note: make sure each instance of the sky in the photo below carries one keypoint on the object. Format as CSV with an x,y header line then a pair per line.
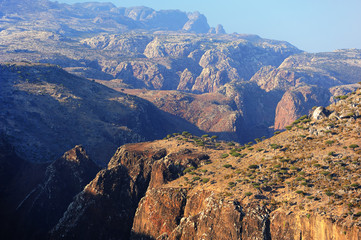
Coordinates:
x,y
310,25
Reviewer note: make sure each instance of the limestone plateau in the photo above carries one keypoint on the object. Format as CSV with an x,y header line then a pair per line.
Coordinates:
x,y
88,89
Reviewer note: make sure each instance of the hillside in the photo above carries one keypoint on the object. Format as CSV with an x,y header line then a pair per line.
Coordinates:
x,y
301,183
48,111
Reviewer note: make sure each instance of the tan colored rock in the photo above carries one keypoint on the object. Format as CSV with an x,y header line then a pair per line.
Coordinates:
x,y
294,226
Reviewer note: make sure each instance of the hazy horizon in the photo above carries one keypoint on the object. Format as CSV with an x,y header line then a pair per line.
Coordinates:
x,y
325,25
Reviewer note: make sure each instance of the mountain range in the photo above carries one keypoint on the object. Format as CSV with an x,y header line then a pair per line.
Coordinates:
x,y
88,90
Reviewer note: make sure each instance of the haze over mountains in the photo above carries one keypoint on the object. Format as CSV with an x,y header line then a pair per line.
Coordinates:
x,y
96,76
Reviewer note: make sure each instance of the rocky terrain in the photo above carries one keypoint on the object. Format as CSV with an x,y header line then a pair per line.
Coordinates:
x,y
96,76
82,19
302,183
266,84
47,111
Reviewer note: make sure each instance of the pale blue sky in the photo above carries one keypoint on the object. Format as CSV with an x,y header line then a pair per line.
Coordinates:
x,y
311,25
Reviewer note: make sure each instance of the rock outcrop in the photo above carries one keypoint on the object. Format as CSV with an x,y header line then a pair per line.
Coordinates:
x,y
118,189
297,102
47,202
291,226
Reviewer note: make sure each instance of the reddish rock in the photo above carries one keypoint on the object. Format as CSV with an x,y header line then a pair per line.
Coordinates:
x,y
159,212
297,102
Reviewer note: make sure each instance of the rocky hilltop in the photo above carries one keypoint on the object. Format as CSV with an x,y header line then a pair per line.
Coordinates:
x,y
92,17
302,183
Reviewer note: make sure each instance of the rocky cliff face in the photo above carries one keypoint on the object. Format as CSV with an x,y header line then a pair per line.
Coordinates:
x,y
297,102
18,177
118,189
311,227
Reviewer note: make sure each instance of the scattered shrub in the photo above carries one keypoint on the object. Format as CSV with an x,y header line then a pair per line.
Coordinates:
x,y
353,146
247,194
196,178
224,155
231,184
253,166
330,142
205,180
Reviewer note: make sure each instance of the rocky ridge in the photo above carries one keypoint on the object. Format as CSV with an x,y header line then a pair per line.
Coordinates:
x,y
93,18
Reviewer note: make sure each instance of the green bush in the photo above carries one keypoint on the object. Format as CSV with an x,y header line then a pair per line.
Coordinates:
x,y
205,180
275,146
227,165
353,146
235,154
288,127
300,192
330,142
224,155
328,193
253,166
231,184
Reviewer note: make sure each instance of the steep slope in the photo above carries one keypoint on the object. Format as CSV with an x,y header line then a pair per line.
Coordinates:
x,y
118,189
302,183
47,110
17,178
42,207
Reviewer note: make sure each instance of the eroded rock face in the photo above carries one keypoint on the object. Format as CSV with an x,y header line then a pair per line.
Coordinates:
x,y
207,217
297,102
159,213
168,213
292,226
196,23
319,113
106,207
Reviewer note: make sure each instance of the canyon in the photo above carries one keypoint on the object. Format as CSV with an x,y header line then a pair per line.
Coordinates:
x,y
135,123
